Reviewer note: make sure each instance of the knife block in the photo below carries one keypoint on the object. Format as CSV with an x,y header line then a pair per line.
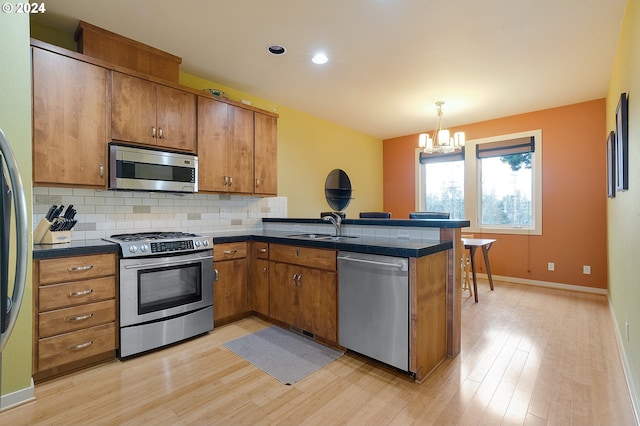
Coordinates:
x,y
44,235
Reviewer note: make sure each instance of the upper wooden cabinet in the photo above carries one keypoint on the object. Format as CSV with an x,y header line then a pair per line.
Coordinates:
x,y
153,114
69,121
266,155
225,147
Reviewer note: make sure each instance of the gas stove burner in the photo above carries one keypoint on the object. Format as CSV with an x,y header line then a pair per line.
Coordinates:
x,y
155,243
141,236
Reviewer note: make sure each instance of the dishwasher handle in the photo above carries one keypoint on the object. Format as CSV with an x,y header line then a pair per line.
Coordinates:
x,y
371,262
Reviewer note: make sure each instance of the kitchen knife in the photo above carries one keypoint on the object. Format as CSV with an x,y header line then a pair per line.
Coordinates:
x,y
49,215
68,212
57,212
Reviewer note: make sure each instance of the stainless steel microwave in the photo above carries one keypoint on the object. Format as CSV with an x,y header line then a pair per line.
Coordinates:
x,y
142,169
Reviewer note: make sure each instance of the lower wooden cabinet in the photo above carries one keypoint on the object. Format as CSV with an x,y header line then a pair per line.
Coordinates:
x,y
230,291
75,313
301,295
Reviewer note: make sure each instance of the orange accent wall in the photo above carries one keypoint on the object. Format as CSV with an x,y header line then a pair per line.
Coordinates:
x,y
574,194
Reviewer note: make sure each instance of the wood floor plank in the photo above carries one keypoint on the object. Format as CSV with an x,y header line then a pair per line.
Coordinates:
x,y
529,356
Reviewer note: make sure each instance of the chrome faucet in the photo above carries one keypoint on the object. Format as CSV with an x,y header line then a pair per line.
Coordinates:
x,y
336,221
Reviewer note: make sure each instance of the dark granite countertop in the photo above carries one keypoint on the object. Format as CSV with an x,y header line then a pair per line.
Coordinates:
x,y
74,248
421,223
387,246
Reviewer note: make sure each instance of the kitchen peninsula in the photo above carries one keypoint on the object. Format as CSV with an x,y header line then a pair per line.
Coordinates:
x,y
428,245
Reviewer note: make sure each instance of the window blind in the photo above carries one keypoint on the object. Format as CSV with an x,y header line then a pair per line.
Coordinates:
x,y
505,147
426,158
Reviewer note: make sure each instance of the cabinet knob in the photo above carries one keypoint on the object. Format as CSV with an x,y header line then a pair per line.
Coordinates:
x,y
101,168
257,183
262,250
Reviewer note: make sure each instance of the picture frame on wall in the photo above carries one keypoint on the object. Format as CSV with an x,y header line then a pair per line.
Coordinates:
x,y
611,164
622,143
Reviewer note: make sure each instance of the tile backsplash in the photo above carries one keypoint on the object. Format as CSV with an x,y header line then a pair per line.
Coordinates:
x,y
102,213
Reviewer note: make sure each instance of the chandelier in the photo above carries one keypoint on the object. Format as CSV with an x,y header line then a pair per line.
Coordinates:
x,y
441,142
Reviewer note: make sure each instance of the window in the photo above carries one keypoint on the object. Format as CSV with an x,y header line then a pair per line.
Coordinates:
x,y
498,187
444,188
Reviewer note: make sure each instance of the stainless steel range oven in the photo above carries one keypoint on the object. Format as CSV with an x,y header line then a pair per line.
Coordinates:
x,y
166,289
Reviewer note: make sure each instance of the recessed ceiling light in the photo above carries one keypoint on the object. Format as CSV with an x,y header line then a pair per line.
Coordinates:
x,y
319,58
276,49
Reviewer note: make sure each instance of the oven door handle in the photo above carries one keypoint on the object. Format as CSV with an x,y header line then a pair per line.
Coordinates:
x,y
164,263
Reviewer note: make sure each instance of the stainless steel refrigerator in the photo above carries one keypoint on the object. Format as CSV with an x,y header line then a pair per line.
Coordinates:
x,y
11,200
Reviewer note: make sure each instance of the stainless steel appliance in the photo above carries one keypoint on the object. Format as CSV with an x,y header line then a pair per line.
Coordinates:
x,y
11,188
166,288
145,169
373,295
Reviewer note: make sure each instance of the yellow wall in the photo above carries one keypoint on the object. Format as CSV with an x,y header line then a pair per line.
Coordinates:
x,y
15,120
622,211
308,149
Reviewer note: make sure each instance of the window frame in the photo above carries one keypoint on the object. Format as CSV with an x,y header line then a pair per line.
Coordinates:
x,y
472,185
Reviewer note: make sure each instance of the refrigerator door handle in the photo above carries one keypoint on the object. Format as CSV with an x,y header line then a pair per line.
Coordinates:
x,y
22,236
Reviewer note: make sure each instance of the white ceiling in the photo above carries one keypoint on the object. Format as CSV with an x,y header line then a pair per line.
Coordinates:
x,y
389,60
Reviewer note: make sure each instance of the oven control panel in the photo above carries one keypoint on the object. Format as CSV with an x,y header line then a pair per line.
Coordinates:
x,y
149,248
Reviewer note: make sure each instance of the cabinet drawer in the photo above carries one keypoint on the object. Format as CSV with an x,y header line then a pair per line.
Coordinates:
x,y
305,256
76,318
260,250
69,347
76,268
58,296
229,251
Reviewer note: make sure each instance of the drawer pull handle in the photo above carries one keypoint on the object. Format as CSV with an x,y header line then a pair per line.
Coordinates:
x,y
230,251
262,250
80,317
80,268
80,293
81,345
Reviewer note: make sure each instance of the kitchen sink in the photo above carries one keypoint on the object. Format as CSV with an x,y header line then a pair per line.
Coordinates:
x,y
341,237
313,236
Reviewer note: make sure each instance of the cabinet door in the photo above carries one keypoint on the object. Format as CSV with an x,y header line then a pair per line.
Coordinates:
x,y
212,145
240,150
266,155
318,303
69,121
259,286
176,119
284,300
133,109
230,290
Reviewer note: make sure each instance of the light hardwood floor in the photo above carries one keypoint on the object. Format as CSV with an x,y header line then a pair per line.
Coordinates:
x,y
529,356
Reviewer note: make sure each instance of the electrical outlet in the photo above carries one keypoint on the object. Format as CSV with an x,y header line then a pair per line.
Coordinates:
x,y
223,213
586,269
551,266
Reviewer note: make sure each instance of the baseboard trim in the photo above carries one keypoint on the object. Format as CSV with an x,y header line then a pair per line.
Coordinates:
x,y
626,366
18,397
548,284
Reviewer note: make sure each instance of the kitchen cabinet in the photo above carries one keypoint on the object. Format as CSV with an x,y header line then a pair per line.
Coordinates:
x,y
230,290
148,113
266,154
75,313
225,147
259,278
303,289
69,121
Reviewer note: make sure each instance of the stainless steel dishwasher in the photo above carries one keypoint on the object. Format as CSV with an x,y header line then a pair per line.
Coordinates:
x,y
373,300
